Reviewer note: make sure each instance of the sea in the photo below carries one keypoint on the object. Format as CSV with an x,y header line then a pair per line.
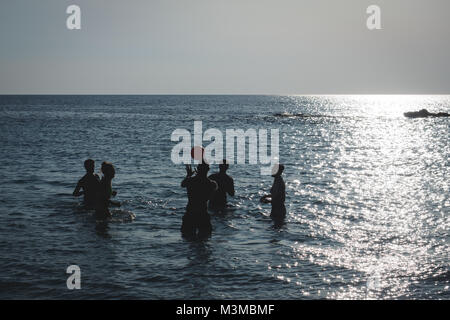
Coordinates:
x,y
367,199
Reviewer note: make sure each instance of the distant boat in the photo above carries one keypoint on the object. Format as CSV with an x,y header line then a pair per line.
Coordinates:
x,y
424,113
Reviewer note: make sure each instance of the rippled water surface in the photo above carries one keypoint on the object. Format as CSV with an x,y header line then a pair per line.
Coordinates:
x,y
367,200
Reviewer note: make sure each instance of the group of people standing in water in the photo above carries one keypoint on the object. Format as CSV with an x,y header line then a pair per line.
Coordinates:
x,y
97,192
203,191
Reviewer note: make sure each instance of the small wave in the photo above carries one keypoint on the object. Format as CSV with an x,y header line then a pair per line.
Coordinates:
x,y
300,115
291,115
122,216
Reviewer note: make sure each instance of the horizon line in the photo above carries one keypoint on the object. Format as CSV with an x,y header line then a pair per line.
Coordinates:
x,y
224,94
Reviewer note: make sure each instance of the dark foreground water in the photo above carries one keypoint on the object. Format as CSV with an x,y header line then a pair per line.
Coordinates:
x,y
367,200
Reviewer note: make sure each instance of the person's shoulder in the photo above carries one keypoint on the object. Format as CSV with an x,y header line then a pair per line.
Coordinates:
x,y
278,181
82,179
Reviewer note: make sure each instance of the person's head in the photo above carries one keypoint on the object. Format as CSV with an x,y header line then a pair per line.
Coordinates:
x,y
223,167
108,170
89,165
277,170
202,169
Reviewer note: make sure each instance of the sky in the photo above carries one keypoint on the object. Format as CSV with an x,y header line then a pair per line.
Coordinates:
x,y
225,47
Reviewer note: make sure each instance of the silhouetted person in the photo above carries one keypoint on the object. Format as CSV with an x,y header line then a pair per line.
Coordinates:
x,y
277,196
90,183
196,220
105,192
225,185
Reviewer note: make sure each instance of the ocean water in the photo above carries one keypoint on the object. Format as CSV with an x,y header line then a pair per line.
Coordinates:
x,y
367,200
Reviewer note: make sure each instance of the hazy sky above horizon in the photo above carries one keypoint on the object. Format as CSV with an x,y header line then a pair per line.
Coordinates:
x,y
225,47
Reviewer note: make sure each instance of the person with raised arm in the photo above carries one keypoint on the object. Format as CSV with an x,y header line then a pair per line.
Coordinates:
x,y
196,221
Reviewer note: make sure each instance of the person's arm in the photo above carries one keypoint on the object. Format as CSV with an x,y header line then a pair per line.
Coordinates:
x,y
114,203
231,188
273,195
277,191
189,173
77,192
214,188
276,195
266,198
184,182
